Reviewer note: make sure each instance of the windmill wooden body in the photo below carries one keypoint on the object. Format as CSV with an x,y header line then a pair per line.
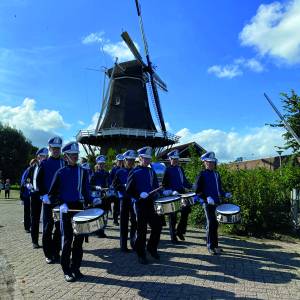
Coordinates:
x,y
125,121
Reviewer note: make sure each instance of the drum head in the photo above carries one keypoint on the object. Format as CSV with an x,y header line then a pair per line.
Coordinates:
x,y
228,209
88,215
186,195
167,199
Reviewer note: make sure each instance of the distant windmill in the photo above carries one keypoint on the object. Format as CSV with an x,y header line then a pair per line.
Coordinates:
x,y
125,119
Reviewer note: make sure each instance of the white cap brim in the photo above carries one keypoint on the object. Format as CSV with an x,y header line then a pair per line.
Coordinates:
x,y
145,156
55,145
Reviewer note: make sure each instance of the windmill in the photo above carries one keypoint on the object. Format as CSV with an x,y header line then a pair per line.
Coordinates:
x,y
125,119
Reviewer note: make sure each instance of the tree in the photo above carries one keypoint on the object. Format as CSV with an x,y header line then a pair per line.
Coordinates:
x,y
15,153
291,107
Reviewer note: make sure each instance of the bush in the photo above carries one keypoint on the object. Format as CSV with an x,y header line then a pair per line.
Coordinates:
x,y
263,195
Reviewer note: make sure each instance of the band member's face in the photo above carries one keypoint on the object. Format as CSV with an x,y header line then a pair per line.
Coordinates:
x,y
210,165
129,163
174,161
72,158
55,151
119,163
145,161
101,166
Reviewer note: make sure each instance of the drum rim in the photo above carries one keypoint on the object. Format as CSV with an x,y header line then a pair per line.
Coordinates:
x,y
188,195
175,198
90,220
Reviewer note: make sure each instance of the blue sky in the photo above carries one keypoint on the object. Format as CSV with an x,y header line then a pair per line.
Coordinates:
x,y
217,57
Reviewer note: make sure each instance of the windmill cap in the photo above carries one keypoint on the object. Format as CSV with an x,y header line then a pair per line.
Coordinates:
x,y
55,142
209,156
100,159
129,154
145,152
173,154
70,148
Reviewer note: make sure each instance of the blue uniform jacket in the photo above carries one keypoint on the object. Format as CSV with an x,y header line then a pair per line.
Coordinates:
x,y
24,192
100,178
120,180
175,180
208,184
46,172
70,185
112,174
141,179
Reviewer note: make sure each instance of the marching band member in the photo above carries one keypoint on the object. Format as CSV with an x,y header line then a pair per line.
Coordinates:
x,y
35,201
100,180
70,188
126,208
46,172
88,168
209,188
112,174
175,182
141,182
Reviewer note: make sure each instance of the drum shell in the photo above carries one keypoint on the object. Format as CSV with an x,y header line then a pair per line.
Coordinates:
x,y
228,218
164,208
88,226
187,201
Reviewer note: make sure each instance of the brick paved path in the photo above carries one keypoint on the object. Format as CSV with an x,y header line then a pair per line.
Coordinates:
x,y
252,269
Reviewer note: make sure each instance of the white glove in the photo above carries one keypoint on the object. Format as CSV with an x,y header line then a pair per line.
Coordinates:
x,y
45,199
167,193
175,193
64,208
97,201
144,195
210,200
98,187
228,195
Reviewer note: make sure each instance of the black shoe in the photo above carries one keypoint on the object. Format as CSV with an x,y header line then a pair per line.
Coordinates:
x,y
102,235
154,254
49,261
77,275
175,240
27,230
211,251
116,223
35,246
143,260
125,250
69,278
181,237
56,259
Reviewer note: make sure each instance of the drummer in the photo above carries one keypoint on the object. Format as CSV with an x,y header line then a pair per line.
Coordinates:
x,y
209,188
45,174
174,182
70,189
112,174
100,180
126,208
141,181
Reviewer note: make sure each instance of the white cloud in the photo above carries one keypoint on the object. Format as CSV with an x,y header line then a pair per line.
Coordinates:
x,y
227,71
118,49
96,37
274,31
94,122
256,143
37,125
80,122
236,68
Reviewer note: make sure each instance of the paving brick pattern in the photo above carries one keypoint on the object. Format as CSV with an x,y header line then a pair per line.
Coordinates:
x,y
248,269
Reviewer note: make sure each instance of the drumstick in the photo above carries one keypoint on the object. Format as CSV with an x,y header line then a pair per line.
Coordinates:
x,y
156,190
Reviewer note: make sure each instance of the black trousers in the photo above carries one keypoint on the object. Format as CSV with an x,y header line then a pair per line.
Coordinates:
x,y
51,242
116,208
145,214
35,208
27,221
71,244
126,212
211,226
7,194
182,225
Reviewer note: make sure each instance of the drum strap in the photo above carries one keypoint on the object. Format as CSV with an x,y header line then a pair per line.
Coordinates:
x,y
217,183
151,176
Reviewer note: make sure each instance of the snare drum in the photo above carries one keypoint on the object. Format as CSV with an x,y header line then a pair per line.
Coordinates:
x,y
228,214
56,213
167,205
187,199
88,221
